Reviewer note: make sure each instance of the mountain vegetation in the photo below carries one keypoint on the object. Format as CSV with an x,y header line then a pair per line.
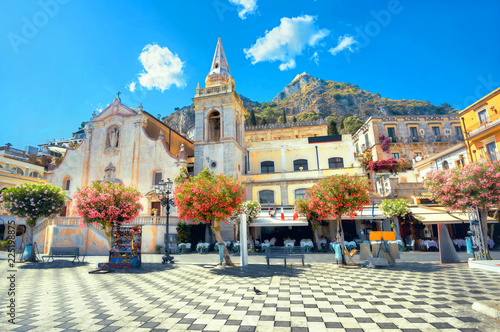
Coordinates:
x,y
308,98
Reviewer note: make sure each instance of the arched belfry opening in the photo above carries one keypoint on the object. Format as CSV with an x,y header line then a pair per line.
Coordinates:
x,y
214,124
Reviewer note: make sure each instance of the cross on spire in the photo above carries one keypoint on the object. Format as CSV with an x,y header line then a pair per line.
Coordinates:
x,y
118,94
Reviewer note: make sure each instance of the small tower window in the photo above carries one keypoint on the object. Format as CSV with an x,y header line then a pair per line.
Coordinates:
x,y
214,127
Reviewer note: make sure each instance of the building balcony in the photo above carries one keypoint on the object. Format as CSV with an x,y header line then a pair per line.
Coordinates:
x,y
479,129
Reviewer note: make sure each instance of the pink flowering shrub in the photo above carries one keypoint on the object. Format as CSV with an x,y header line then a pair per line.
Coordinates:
x,y
211,199
208,197
473,185
107,203
385,143
33,201
335,196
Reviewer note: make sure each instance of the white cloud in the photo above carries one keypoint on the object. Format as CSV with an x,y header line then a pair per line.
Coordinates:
x,y
345,42
162,68
315,57
245,7
285,42
131,87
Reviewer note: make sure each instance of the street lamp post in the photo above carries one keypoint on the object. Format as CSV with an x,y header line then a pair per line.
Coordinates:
x,y
163,189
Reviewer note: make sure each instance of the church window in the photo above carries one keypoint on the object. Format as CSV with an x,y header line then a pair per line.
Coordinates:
x,y
214,126
66,183
158,176
300,165
267,167
213,164
266,197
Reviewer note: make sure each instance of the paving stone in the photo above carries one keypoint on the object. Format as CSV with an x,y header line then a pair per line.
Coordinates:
x,y
411,296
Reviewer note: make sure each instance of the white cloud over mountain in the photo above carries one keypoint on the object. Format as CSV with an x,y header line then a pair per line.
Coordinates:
x,y
287,41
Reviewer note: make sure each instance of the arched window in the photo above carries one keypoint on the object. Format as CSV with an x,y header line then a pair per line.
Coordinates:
x,y
300,193
66,183
300,165
35,174
157,177
445,165
335,163
267,167
266,197
214,126
17,170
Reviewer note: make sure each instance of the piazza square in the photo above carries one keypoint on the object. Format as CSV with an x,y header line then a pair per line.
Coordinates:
x,y
240,165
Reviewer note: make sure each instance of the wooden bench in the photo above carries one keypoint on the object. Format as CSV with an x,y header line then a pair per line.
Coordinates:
x,y
64,252
285,253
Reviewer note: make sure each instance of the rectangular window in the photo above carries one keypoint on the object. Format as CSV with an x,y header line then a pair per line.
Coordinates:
x,y
158,177
267,167
300,165
458,131
266,197
367,141
436,131
66,187
483,118
492,151
391,132
300,193
414,132
335,163
395,155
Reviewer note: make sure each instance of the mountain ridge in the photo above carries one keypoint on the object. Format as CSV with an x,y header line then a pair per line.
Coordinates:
x,y
307,98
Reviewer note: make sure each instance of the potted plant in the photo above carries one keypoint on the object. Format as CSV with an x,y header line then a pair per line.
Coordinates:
x,y
158,248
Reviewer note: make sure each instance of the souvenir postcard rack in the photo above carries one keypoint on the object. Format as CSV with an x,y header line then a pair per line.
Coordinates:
x,y
125,250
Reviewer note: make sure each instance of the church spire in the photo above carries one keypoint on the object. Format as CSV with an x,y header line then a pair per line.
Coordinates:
x,y
219,73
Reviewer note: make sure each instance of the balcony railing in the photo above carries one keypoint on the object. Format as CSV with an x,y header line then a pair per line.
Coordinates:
x,y
483,127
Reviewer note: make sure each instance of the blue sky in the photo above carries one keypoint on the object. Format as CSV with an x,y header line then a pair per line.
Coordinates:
x,y
61,60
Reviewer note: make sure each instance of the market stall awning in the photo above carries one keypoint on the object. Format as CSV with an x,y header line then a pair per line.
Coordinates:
x,y
264,219
438,214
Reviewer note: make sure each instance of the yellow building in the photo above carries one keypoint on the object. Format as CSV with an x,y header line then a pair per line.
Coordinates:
x,y
481,125
283,161
15,168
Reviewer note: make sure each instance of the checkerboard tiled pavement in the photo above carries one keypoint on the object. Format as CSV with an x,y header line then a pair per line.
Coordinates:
x,y
412,296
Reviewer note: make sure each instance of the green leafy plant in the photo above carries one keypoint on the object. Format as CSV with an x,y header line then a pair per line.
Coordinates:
x,y
183,232
33,201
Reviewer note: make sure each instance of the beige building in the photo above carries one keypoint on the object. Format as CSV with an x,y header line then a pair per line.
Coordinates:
x,y
411,137
124,145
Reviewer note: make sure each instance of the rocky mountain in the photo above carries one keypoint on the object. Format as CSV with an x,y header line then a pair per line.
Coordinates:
x,y
308,98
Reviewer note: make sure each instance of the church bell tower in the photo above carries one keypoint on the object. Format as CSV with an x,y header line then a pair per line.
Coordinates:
x,y
219,121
